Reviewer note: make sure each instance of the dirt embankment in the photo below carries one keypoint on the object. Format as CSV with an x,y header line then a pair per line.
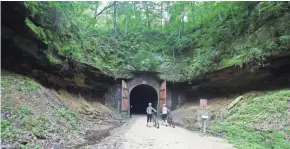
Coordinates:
x,y
257,119
36,117
188,115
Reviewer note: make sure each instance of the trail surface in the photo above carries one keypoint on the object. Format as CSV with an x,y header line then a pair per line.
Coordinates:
x,y
136,135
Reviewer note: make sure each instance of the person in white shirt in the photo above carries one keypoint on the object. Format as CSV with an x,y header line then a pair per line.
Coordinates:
x,y
164,113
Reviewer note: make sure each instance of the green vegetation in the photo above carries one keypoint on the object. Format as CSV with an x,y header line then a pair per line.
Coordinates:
x,y
28,146
260,121
53,59
180,40
66,118
12,82
7,131
37,124
22,125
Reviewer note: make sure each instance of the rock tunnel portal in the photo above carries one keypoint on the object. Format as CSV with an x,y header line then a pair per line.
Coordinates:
x,y
140,96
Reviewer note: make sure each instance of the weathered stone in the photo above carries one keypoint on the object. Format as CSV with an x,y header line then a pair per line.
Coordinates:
x,y
234,102
174,97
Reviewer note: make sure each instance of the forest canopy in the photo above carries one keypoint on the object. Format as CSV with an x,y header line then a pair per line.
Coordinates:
x,y
180,40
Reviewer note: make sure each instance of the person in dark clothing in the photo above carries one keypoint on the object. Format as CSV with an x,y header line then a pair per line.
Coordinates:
x,y
149,112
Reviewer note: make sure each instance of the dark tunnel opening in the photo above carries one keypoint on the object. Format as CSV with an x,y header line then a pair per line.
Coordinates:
x,y
140,96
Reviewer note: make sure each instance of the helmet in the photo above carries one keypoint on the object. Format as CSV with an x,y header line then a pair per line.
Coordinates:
x,y
149,104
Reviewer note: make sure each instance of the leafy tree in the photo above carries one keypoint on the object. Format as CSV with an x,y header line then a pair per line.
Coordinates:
x,y
186,38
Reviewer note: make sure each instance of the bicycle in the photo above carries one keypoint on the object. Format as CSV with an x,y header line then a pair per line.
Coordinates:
x,y
170,121
155,120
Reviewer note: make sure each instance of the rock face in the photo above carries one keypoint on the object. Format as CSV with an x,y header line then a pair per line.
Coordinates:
x,y
113,96
275,73
24,54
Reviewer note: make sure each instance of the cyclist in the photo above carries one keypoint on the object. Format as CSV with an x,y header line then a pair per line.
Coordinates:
x,y
149,112
164,113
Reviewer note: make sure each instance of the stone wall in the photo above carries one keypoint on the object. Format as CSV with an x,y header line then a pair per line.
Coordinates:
x,y
181,99
175,97
113,96
149,78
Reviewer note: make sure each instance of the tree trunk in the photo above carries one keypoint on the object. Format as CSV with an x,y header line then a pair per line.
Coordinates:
x,y
173,55
126,25
220,16
161,16
234,15
115,16
147,14
179,32
181,28
127,19
182,25
166,22
192,9
134,4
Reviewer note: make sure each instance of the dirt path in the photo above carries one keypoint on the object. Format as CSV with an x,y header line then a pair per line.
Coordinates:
x,y
135,135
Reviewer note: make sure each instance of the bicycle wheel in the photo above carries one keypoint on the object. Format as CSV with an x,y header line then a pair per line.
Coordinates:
x,y
157,123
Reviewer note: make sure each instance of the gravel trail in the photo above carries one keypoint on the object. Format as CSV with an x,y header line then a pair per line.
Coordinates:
x,y
136,135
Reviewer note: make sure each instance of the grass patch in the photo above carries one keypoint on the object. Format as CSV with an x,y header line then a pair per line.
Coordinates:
x,y
37,30
31,146
7,131
67,118
53,60
238,60
260,121
22,119
12,82
37,124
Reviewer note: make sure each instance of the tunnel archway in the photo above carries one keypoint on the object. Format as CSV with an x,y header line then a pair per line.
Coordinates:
x,y
140,96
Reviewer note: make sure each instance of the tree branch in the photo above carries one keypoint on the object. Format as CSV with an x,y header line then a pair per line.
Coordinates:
x,y
107,7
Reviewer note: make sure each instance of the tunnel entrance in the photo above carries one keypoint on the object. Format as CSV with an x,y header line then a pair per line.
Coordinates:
x,y
140,96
